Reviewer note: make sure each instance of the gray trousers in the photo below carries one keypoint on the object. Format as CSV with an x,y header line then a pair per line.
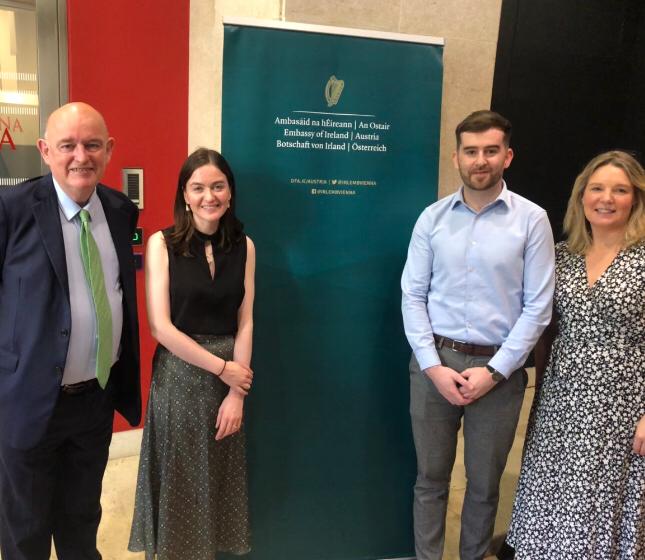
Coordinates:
x,y
489,431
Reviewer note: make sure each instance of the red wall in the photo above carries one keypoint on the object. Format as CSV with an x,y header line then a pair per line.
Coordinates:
x,y
130,61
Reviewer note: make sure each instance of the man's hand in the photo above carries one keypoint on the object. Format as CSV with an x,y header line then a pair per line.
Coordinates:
x,y
450,384
481,381
639,437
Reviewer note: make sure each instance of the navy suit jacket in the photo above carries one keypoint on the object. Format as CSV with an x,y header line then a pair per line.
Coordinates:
x,y
35,316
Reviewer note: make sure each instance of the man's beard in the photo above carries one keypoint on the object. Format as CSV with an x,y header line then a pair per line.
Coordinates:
x,y
493,181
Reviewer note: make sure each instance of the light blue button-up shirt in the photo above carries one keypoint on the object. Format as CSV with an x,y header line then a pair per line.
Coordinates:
x,y
80,364
482,277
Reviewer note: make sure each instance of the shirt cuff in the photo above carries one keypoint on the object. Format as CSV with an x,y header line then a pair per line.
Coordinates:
x,y
427,357
502,363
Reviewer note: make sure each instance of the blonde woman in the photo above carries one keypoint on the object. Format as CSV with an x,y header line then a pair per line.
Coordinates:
x,y
581,492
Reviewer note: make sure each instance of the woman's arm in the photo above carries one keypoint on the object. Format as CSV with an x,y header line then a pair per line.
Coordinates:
x,y
639,437
181,345
244,336
229,417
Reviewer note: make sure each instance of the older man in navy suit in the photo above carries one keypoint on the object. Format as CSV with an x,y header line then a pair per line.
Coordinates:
x,y
68,357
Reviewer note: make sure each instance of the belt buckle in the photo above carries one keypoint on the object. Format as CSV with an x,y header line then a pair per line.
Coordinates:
x,y
454,342
79,388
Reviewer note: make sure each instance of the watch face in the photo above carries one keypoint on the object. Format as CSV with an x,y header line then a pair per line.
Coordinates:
x,y
496,375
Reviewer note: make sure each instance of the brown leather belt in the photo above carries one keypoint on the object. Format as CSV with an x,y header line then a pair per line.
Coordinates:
x,y
80,387
465,347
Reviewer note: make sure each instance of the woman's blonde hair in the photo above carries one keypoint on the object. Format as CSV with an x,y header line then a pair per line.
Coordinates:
x,y
576,225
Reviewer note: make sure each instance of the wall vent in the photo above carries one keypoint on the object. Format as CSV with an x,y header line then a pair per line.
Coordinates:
x,y
132,179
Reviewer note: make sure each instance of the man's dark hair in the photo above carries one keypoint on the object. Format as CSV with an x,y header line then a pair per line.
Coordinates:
x,y
480,121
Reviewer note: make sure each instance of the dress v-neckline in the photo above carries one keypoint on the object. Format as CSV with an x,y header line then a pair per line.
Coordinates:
x,y
591,286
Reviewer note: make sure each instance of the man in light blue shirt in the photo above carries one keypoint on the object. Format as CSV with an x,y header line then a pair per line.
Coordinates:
x,y
477,290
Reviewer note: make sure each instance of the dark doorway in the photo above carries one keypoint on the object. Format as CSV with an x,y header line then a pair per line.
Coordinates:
x,y
570,75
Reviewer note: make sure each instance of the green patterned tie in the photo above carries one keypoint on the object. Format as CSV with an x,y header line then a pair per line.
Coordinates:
x,y
94,275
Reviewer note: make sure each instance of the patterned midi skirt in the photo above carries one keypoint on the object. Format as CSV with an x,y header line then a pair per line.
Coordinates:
x,y
191,498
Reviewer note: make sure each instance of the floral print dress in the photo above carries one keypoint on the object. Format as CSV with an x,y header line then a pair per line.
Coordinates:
x,y
581,493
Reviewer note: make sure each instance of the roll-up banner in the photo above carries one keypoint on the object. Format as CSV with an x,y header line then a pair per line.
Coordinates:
x,y
333,136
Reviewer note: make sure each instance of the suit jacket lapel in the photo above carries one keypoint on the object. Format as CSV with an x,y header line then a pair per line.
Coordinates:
x,y
47,217
119,223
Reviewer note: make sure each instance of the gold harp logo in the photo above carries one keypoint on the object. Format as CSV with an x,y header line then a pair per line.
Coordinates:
x,y
333,89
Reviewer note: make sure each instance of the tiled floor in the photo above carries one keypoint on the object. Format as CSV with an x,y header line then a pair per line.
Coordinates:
x,y
120,479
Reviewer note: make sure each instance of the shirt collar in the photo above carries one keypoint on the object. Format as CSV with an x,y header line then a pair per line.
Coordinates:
x,y
69,207
504,197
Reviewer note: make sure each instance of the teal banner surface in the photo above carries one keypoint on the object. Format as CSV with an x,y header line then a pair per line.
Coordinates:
x,y
334,141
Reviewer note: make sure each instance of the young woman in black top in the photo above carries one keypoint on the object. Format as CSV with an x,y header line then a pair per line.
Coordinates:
x,y
191,497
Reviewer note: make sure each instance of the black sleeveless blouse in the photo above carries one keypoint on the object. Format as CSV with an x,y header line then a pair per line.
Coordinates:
x,y
200,304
